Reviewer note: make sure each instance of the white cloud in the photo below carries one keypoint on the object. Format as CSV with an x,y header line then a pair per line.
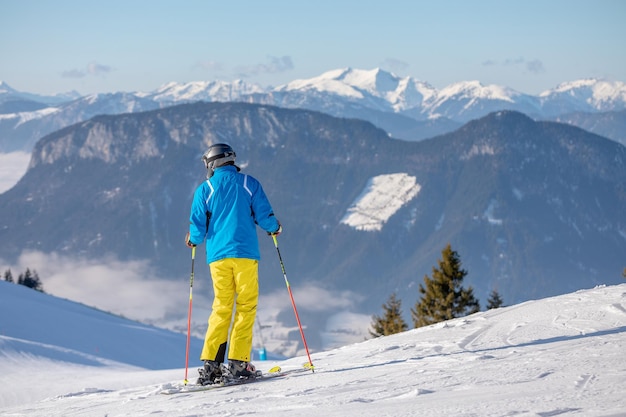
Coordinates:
x,y
273,66
12,167
210,65
311,298
395,64
324,315
92,68
134,290
513,61
534,66
131,289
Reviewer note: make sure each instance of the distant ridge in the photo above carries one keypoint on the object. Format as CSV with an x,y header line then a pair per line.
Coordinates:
x,y
405,107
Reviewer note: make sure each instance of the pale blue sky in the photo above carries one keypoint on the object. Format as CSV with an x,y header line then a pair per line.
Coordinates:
x,y
50,46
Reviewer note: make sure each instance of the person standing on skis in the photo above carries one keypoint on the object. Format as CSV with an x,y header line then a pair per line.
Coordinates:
x,y
225,211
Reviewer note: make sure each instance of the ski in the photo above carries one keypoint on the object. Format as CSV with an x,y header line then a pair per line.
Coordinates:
x,y
275,372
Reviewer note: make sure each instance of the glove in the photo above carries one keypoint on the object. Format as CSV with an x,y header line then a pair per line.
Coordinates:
x,y
277,232
188,242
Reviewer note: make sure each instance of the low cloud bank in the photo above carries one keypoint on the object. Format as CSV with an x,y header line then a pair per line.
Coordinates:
x,y
131,289
134,290
12,167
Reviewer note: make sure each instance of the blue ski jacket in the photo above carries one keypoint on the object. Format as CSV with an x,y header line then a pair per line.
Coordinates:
x,y
225,211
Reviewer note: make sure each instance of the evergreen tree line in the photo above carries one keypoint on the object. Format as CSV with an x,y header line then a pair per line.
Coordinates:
x,y
443,297
28,279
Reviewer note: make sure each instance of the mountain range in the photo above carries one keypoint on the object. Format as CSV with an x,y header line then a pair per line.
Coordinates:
x,y
404,107
522,201
366,210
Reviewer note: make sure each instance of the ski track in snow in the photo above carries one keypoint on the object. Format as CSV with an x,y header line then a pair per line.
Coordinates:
x,y
555,357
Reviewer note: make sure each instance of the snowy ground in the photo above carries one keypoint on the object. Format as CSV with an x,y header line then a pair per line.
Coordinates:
x,y
561,356
381,198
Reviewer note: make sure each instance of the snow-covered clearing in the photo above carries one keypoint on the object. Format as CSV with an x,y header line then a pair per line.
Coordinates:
x,y
381,198
558,356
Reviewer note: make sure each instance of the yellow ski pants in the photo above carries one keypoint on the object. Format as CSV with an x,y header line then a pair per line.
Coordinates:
x,y
235,280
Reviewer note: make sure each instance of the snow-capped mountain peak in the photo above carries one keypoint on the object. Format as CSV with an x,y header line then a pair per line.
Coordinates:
x,y
468,100
599,94
204,90
475,89
375,81
9,93
329,82
404,107
376,85
569,86
6,88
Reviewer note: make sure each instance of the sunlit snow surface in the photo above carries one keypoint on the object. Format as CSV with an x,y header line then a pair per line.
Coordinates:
x,y
382,197
560,356
23,117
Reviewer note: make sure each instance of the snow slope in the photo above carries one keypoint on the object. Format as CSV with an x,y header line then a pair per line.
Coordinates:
x,y
57,329
381,198
558,356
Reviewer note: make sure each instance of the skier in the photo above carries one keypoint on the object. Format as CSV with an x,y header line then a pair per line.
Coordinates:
x,y
225,211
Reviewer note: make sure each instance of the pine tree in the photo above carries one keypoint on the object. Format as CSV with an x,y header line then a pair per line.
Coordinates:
x,y
391,321
494,300
443,297
8,275
30,280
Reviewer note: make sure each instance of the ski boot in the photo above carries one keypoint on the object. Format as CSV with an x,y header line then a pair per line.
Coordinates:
x,y
242,370
210,374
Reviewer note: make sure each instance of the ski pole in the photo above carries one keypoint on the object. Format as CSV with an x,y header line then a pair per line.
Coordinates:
x,y
293,303
193,257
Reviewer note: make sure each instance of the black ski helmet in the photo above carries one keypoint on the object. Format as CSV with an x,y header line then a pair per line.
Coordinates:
x,y
218,155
